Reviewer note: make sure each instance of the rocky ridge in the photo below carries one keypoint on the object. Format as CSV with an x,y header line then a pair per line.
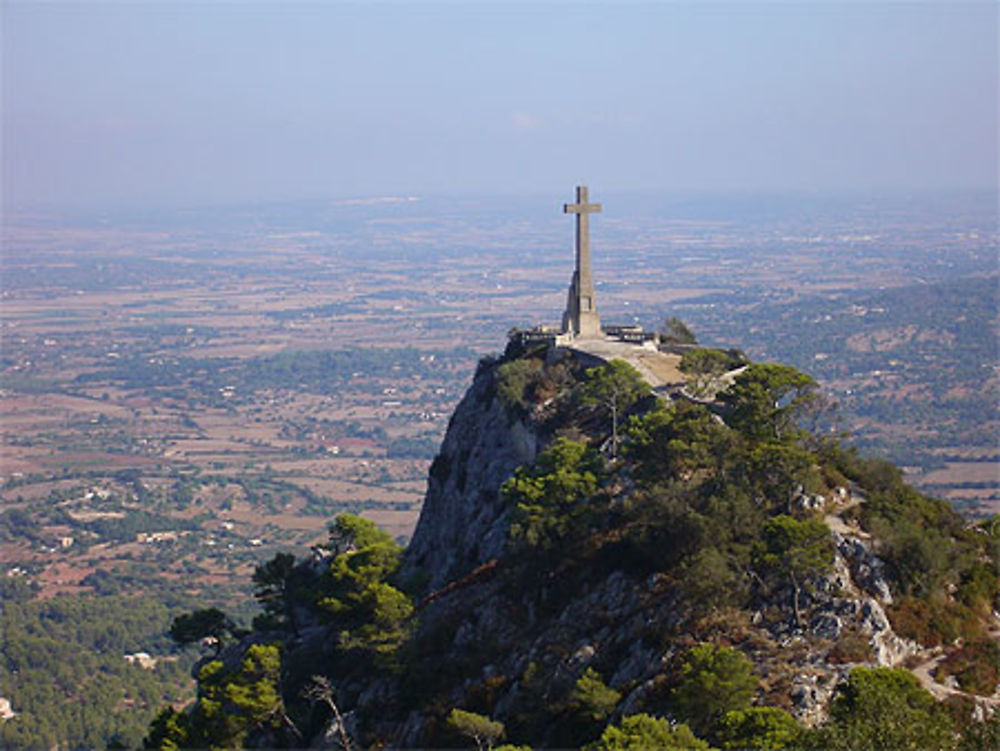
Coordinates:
x,y
590,569
606,622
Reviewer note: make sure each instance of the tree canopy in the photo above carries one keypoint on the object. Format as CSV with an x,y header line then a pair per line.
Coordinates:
x,y
615,386
675,331
200,624
758,728
356,591
886,709
765,399
549,497
714,680
642,732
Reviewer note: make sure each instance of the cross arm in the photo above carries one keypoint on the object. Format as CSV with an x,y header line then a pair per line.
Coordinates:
x,y
581,208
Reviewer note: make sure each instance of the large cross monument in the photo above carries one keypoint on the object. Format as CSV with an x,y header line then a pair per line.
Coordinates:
x,y
581,319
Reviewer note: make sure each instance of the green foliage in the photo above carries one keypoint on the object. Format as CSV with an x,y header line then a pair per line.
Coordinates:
x,y
982,736
674,442
614,383
18,524
699,506
704,361
642,732
758,728
62,665
349,531
616,387
201,624
591,702
979,587
232,703
169,731
514,382
372,613
930,553
550,497
976,666
885,709
280,586
592,697
713,680
710,581
793,550
703,366
766,399
776,471
675,331
18,589
484,731
919,557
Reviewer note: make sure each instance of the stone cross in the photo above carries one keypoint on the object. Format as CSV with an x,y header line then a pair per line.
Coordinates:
x,y
580,318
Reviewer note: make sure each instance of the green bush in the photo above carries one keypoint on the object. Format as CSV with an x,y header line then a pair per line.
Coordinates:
x,y
514,382
976,667
758,728
355,590
549,498
642,732
714,680
885,709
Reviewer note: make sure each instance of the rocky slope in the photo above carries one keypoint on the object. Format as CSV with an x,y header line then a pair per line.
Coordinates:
x,y
463,519
556,620
556,588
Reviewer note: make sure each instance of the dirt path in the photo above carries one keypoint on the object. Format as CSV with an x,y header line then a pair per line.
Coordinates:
x,y
836,522
924,673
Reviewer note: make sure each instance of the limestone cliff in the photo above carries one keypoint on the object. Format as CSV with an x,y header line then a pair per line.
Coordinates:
x,y
463,523
524,631
576,597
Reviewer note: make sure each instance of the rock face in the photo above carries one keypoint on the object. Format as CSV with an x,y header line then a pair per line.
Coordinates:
x,y
463,523
613,622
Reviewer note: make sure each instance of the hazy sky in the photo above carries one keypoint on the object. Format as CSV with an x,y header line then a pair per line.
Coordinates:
x,y
186,103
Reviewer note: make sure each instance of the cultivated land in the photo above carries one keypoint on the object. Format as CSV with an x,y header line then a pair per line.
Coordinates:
x,y
183,395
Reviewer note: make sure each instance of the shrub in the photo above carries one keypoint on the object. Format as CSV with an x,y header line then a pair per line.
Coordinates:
x,y
885,709
484,731
976,667
933,622
852,646
548,497
514,382
759,728
714,680
641,732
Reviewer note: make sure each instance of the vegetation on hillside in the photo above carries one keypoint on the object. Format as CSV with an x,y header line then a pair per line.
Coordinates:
x,y
63,667
710,519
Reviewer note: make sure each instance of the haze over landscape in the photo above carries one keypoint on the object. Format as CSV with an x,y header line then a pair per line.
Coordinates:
x,y
259,267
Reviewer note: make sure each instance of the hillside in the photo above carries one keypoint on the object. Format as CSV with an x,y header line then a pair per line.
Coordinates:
x,y
716,577
911,368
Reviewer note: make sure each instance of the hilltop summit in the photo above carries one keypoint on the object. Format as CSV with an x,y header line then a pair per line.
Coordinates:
x,y
593,558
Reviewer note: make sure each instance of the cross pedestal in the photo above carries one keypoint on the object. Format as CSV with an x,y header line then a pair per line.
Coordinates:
x,y
581,319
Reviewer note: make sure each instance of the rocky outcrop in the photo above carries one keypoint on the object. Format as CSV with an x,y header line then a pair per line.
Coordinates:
x,y
463,523
608,623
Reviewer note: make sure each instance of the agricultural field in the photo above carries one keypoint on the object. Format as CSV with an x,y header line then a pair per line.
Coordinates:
x,y
182,395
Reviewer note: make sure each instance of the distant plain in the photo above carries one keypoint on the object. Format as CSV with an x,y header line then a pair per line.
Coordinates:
x,y
240,375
